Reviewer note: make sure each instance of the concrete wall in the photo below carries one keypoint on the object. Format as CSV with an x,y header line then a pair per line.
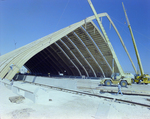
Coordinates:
x,y
62,83
36,93
67,83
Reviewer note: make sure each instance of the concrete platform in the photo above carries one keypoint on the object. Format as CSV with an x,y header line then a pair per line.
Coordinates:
x,y
68,83
33,92
66,105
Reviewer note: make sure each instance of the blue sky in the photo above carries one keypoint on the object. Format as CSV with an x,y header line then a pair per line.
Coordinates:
x,y
24,21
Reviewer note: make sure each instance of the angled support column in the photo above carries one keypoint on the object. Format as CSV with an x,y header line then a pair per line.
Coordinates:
x,y
122,43
106,38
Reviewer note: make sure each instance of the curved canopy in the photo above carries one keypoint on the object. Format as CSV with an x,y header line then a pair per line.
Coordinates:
x,y
79,49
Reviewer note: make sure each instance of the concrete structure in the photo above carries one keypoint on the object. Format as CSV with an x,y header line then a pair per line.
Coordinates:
x,y
38,93
77,50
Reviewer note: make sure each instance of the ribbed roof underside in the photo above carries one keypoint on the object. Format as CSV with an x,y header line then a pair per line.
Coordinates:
x,y
81,52
77,50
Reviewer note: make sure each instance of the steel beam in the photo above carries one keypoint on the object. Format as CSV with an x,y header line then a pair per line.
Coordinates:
x,y
69,58
99,51
82,55
89,53
59,62
63,61
75,57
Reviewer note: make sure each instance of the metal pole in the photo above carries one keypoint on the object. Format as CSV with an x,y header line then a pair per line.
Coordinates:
x,y
106,38
122,43
134,43
112,65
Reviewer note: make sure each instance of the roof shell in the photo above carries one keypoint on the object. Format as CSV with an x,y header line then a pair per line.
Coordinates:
x,y
79,49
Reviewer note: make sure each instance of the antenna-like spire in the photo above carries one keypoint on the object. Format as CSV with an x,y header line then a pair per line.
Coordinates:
x,y
15,44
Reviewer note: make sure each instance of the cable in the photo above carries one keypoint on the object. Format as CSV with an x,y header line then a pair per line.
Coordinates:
x,y
62,14
129,33
141,34
132,29
82,10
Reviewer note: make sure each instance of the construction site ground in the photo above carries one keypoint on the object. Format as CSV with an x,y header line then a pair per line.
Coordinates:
x,y
130,89
67,105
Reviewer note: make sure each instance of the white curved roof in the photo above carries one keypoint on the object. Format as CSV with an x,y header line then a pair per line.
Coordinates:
x,y
79,49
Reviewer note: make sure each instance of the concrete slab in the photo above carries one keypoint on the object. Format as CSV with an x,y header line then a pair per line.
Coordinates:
x,y
69,106
14,90
16,99
60,82
30,78
102,111
7,83
41,96
35,93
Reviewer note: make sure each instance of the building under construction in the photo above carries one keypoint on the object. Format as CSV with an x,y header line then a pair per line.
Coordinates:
x,y
77,50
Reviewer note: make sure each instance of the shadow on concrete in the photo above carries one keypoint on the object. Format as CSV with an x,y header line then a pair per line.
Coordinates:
x,y
112,86
19,77
108,86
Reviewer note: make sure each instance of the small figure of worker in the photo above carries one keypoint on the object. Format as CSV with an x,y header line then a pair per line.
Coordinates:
x,y
49,74
12,81
119,89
